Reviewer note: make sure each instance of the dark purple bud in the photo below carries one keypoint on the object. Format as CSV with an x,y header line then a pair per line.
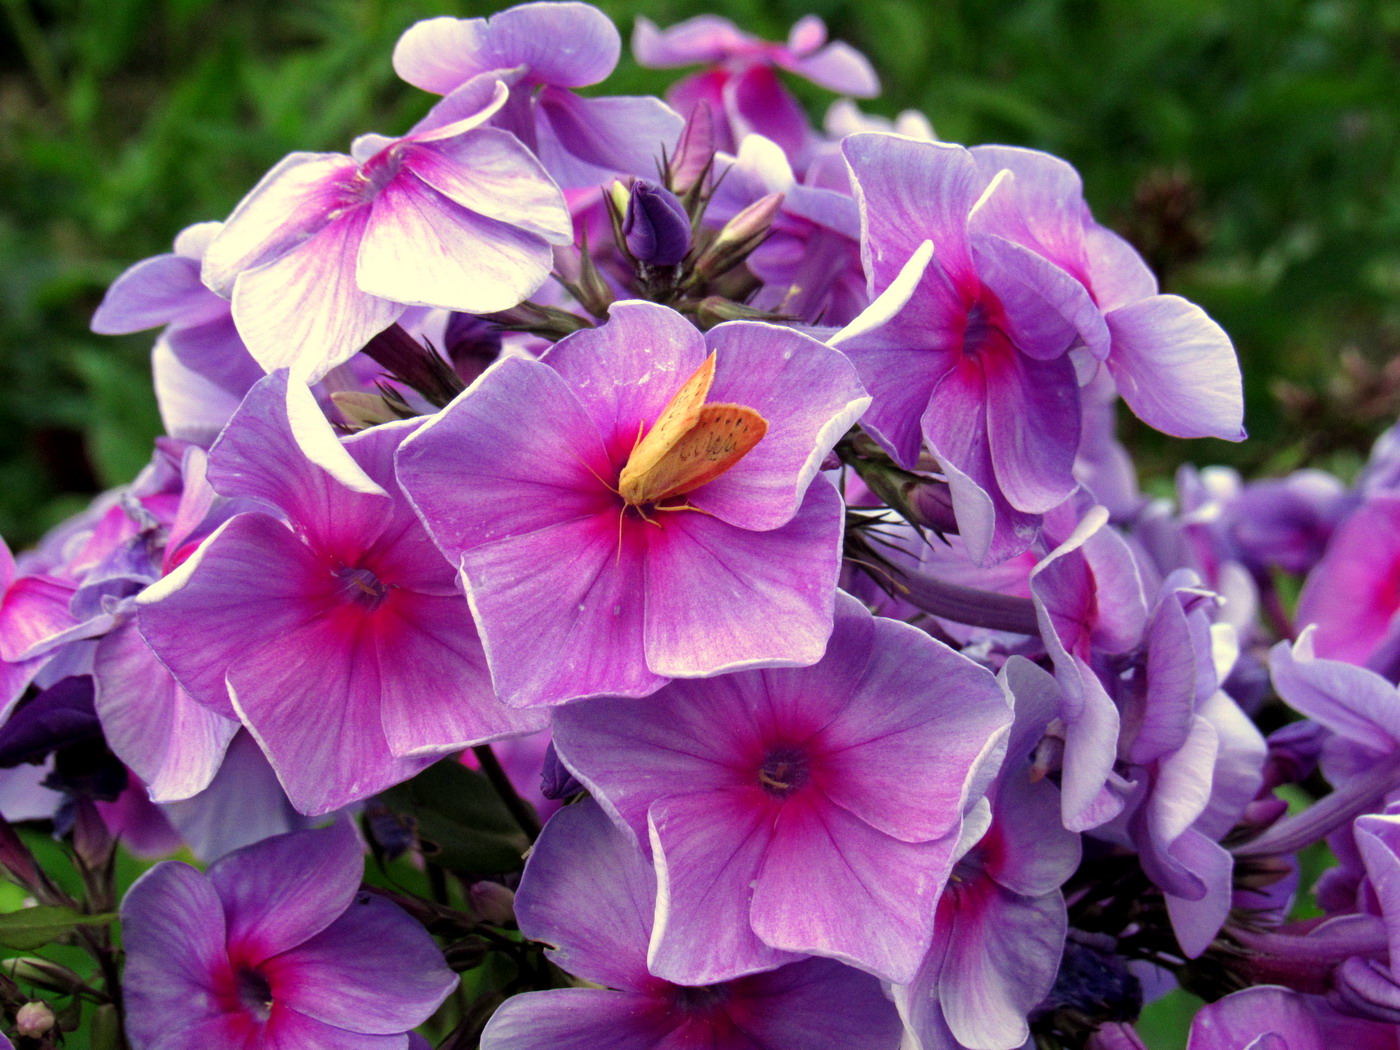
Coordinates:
x,y
656,227
471,344
1293,753
556,781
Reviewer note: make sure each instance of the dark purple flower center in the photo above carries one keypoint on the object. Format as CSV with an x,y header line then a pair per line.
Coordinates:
x,y
255,994
361,587
701,1000
785,769
980,331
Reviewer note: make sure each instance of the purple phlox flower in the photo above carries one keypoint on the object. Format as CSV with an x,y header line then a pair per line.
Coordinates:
x,y
1001,921
810,264
166,290
329,625
243,804
796,810
1173,365
1368,985
275,946
1287,523
589,893
1090,604
328,249
980,347
741,84
1358,708
1353,593
577,593
542,51
1268,1017
966,347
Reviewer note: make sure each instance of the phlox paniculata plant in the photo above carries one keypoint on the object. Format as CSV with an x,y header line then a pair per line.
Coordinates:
x,y
688,551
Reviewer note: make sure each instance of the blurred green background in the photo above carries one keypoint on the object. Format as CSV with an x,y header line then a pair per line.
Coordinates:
x,y
1249,147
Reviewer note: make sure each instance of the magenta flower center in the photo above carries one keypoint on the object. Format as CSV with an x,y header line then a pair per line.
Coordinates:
x,y
785,769
255,994
361,587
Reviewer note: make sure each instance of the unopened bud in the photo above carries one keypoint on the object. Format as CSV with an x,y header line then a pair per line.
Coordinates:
x,y
556,781
716,309
695,151
33,1019
740,236
493,902
361,409
471,344
655,225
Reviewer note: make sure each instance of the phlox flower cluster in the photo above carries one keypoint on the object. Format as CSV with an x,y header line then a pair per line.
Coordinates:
x,y
743,497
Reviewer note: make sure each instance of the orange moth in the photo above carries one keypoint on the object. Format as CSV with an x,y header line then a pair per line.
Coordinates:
x,y
690,443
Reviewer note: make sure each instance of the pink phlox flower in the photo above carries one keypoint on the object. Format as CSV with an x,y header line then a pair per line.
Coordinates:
x,y
327,623
589,893
1001,922
542,51
740,83
328,250
794,810
577,593
275,946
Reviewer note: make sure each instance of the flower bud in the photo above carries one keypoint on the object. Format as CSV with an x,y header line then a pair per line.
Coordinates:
x,y
655,226
33,1020
695,152
493,902
740,236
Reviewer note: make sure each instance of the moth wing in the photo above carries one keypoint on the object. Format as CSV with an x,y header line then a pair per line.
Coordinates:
x,y
675,420
722,435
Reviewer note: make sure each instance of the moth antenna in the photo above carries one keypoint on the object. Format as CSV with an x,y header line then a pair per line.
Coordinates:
x,y
590,470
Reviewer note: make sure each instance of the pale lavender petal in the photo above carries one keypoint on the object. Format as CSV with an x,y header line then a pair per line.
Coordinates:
x,y
1351,701
1176,368
1248,1018
1045,198
764,367
34,614
1002,959
319,718
1047,310
192,407
709,849
630,752
421,248
154,292
520,447
579,1019
1196,922
828,879
720,598
878,759
567,44
585,141
283,891
438,697
1032,428
288,205
441,54
252,570
616,371
581,856
171,742
838,67
704,38
340,976
173,935
304,310
909,192
1118,274
290,1030
489,172
280,450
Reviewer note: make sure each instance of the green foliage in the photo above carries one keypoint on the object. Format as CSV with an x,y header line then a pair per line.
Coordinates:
x,y
30,928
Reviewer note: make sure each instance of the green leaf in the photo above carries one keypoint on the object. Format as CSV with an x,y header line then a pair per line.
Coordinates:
x,y
462,823
31,928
